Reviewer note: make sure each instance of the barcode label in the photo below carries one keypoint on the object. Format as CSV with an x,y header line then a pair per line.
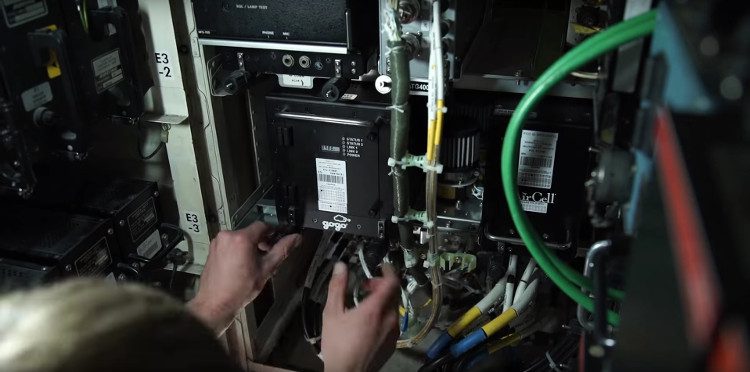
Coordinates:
x,y
534,180
332,193
536,159
531,161
330,178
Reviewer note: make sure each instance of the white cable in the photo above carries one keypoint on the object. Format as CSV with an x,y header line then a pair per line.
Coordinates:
x,y
361,255
530,267
495,294
528,294
509,286
438,47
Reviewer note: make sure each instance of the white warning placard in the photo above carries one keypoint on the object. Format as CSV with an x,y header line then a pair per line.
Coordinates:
x,y
332,194
536,159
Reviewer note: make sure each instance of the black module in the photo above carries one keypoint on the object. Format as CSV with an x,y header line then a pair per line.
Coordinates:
x,y
23,274
553,159
75,245
133,207
300,37
330,160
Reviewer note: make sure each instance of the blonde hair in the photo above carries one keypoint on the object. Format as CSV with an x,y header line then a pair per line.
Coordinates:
x,y
91,325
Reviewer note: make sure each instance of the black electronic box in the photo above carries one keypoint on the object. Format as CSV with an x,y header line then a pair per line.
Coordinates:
x,y
133,207
298,37
331,161
552,172
74,245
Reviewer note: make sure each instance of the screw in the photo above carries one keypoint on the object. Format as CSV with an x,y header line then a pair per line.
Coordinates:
x,y
545,236
121,223
156,194
164,237
110,231
121,277
512,232
68,268
359,227
135,265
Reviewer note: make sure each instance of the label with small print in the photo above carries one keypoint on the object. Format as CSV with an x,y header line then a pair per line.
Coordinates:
x,y
95,260
296,81
164,65
351,146
18,12
348,97
36,96
150,246
536,159
106,3
332,193
192,222
107,70
142,219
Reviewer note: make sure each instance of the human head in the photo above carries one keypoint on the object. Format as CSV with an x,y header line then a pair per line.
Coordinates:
x,y
91,325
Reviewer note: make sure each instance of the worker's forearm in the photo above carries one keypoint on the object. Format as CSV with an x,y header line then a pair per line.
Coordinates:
x,y
214,316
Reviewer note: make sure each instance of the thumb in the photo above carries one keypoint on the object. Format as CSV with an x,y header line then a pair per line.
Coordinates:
x,y
336,303
279,252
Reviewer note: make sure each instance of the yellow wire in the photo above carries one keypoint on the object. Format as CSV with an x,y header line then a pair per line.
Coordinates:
x,y
439,123
464,321
430,141
506,341
499,322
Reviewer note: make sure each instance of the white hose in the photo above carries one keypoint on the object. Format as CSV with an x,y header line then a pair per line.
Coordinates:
x,y
530,267
509,286
495,294
528,294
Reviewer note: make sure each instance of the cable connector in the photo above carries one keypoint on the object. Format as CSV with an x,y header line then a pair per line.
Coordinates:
x,y
419,161
414,216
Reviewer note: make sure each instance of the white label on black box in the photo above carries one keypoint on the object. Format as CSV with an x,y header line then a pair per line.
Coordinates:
x,y
107,70
536,160
18,12
150,246
332,196
36,96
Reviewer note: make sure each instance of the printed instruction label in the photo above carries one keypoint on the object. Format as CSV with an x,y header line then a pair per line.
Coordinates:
x,y
18,12
332,195
107,70
95,260
36,96
142,219
296,81
150,246
536,159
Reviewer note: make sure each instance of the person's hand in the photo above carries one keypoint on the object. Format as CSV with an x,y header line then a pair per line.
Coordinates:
x,y
239,264
360,339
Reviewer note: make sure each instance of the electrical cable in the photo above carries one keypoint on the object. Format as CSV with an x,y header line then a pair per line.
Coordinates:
x,y
431,207
495,325
530,267
463,322
563,276
139,143
510,283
